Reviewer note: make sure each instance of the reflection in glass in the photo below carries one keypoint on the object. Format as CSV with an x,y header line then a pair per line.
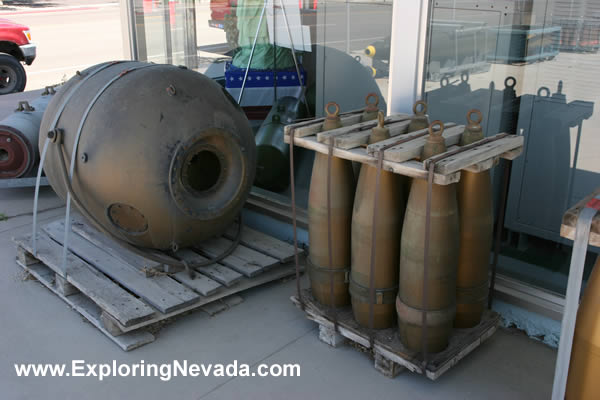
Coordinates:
x,y
342,49
529,66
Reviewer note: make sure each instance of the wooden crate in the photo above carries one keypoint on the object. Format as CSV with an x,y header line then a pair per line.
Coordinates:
x,y
125,295
350,143
390,356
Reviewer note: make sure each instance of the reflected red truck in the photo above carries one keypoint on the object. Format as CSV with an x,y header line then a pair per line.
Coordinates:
x,y
17,49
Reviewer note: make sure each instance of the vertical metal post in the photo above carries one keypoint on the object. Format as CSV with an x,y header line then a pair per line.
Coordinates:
x,y
262,14
287,26
347,26
37,195
499,226
567,328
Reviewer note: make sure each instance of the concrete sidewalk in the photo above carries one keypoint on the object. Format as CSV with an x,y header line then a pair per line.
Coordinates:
x,y
38,327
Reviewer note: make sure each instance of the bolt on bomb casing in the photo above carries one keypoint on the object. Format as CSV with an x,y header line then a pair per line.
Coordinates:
x,y
443,256
476,230
371,109
369,113
390,213
342,197
166,158
419,120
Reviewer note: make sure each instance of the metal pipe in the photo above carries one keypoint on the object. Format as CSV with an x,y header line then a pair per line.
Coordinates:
x,y
302,86
262,14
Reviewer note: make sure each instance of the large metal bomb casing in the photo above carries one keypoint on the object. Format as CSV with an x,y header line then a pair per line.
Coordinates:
x,y
166,158
19,132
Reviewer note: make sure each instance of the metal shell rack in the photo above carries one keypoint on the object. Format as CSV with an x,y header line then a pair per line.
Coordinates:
x,y
125,295
400,154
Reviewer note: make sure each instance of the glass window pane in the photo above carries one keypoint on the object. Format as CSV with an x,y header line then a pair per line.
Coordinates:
x,y
331,38
530,67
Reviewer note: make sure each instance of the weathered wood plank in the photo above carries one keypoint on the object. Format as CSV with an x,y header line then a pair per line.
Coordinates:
x,y
63,286
478,154
127,309
263,243
387,345
569,221
311,127
363,130
217,272
355,139
201,283
160,291
412,168
483,166
244,260
89,310
83,228
373,149
279,272
413,149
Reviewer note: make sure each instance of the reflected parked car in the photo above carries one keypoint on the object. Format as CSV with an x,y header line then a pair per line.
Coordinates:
x,y
15,49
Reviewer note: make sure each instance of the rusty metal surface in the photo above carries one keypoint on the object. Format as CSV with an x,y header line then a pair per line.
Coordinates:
x,y
19,132
476,228
390,206
432,294
329,232
165,143
476,231
377,215
583,382
371,107
419,120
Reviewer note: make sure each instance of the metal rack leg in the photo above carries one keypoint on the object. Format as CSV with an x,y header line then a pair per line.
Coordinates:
x,y
567,328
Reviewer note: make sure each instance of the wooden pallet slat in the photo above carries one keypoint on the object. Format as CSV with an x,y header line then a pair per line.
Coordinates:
x,y
246,283
311,127
413,149
104,292
201,283
161,292
388,351
96,283
243,259
89,310
217,272
569,220
478,154
348,137
84,229
402,158
412,168
263,243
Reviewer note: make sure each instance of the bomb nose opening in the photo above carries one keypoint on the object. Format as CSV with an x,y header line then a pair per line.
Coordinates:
x,y
202,172
3,155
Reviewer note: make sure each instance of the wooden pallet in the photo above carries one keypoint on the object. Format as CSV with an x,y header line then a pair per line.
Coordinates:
x,y
350,141
390,356
124,295
569,221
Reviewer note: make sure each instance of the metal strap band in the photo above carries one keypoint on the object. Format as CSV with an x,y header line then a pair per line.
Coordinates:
x,y
426,262
43,155
330,239
293,195
382,296
327,275
76,146
414,315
